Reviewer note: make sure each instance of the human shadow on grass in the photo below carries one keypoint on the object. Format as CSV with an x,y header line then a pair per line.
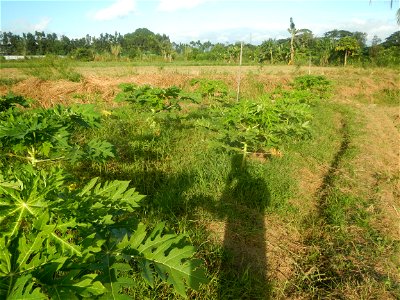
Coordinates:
x,y
242,272
244,200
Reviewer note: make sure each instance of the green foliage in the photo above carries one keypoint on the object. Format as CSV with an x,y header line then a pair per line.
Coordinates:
x,y
264,126
347,43
314,84
11,100
153,98
261,126
52,67
63,244
9,81
144,45
389,57
66,240
44,135
84,54
211,89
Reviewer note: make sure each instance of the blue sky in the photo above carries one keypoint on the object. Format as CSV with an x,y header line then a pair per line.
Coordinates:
x,y
186,20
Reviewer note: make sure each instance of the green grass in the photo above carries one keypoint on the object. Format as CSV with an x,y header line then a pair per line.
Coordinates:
x,y
9,81
52,68
343,245
190,183
151,63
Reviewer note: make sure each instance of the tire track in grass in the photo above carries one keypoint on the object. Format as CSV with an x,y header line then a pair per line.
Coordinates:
x,y
343,247
319,275
328,180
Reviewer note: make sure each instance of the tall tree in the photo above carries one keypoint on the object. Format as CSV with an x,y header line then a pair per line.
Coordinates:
x,y
348,45
267,49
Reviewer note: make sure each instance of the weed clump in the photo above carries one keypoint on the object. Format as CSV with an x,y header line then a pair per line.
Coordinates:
x,y
313,83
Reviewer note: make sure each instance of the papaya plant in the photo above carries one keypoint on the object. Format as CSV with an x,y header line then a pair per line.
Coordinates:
x,y
44,135
151,98
63,240
10,100
264,125
82,243
254,127
317,85
211,89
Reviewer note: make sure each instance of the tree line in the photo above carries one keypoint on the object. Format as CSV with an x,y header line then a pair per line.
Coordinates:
x,y
301,47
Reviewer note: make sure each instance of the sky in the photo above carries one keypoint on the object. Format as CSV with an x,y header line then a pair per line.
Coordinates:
x,y
250,21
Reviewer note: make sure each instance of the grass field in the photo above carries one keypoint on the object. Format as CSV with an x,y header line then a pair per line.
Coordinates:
x,y
315,218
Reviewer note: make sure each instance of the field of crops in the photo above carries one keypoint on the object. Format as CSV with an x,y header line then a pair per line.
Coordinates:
x,y
161,182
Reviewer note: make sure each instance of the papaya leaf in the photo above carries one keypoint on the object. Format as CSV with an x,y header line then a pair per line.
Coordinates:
x,y
171,262
25,288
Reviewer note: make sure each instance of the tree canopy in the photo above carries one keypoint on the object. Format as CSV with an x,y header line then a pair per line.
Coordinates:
x,y
299,47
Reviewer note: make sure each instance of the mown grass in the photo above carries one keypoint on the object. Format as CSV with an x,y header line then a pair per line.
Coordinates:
x,y
344,249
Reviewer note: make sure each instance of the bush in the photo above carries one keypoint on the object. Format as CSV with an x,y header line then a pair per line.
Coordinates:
x,y
84,54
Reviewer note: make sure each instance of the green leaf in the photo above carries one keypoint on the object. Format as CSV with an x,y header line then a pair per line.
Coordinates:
x,y
24,288
71,285
170,257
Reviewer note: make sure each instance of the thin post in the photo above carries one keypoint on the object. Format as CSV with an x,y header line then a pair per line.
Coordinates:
x,y
239,72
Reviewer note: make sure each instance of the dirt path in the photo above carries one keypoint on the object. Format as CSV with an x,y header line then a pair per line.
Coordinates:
x,y
346,258
312,262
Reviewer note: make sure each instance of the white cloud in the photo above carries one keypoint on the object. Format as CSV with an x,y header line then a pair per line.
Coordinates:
x,y
20,26
41,25
172,5
120,8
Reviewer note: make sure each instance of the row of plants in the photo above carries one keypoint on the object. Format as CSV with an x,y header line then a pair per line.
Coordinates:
x,y
248,126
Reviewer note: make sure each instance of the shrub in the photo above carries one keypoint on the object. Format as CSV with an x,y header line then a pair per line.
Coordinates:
x,y
84,54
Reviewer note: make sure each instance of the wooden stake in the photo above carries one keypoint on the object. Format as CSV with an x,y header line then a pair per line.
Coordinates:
x,y
239,72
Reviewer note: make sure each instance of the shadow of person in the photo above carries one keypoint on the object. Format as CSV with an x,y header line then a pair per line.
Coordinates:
x,y
244,262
